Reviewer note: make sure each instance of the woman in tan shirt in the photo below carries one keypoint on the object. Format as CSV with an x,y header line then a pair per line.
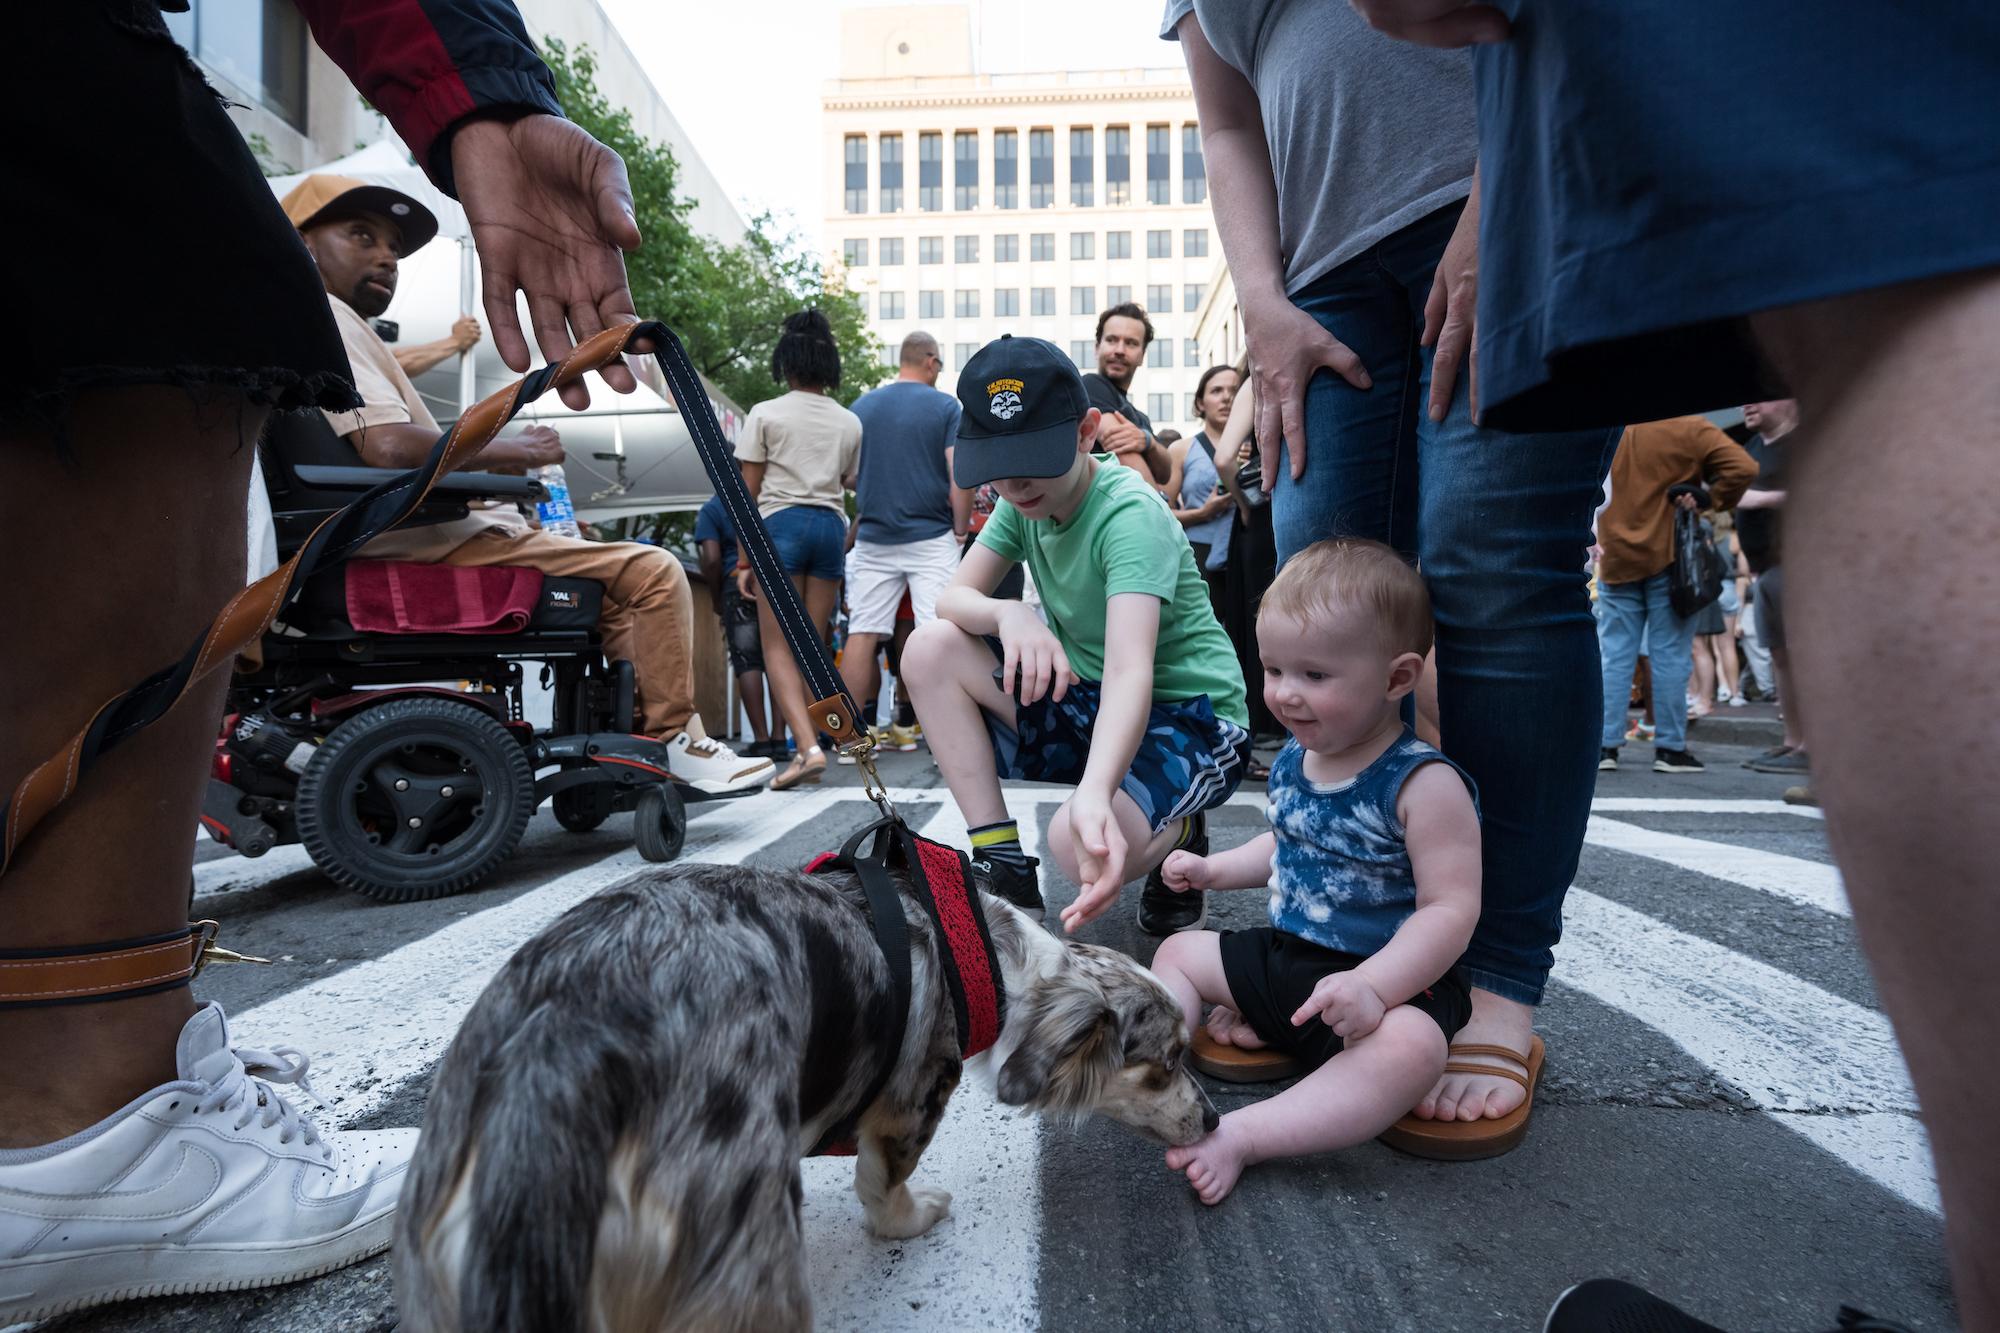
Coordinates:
x,y
798,454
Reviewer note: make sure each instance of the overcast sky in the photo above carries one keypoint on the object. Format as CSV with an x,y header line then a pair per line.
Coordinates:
x,y
744,76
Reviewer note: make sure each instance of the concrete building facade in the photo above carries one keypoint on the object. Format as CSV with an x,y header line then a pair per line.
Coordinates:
x,y
968,205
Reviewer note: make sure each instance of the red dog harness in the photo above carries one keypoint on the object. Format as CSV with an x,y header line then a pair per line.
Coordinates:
x,y
941,878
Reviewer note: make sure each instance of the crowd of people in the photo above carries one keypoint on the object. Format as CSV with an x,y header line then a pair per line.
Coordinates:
x,y
1462,280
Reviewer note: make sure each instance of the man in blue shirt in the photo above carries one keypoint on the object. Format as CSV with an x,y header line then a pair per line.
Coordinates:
x,y
910,517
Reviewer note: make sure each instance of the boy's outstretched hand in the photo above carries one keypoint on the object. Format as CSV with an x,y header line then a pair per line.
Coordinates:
x,y
1032,661
1346,1003
1100,859
1184,871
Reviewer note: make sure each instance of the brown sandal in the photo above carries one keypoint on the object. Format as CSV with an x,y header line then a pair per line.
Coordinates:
x,y
1468,1140
799,773
1239,1064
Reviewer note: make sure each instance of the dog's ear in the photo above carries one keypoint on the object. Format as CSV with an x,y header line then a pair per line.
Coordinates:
x,y
1069,1030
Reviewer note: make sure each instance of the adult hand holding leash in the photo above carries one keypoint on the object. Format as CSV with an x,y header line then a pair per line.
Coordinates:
x,y
1100,857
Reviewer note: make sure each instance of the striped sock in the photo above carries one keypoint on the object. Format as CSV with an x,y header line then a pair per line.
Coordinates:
x,y
999,842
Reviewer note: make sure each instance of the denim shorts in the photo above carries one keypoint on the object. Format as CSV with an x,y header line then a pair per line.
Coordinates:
x,y
811,540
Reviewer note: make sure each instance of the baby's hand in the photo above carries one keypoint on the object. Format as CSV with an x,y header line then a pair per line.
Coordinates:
x,y
1346,1003
1184,871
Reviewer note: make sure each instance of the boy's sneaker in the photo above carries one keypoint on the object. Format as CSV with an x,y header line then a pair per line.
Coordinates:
x,y
706,764
211,1183
1164,912
903,739
1676,761
1607,760
1019,885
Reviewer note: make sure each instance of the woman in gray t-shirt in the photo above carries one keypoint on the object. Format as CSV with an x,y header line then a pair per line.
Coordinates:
x,y
1340,165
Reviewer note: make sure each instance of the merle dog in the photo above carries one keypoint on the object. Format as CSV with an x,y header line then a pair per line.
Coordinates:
x,y
612,1142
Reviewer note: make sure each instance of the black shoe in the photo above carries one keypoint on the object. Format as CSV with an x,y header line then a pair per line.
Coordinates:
x,y
1164,912
1676,761
1792,763
1774,752
1019,885
1607,762
1606,1305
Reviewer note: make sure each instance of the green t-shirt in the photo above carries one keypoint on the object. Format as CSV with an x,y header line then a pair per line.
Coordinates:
x,y
1124,539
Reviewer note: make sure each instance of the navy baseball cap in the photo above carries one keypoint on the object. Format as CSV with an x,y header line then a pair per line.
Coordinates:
x,y
1020,400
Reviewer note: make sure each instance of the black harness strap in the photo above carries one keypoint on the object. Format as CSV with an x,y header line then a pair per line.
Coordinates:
x,y
892,934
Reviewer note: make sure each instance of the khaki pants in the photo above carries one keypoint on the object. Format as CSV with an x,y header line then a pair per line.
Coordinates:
x,y
646,609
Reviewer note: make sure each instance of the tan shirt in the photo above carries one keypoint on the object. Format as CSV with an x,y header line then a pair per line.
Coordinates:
x,y
1636,528
389,398
808,444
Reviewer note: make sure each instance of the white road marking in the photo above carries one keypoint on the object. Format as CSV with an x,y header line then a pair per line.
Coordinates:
x,y
1808,883
1695,805
236,872
1822,1066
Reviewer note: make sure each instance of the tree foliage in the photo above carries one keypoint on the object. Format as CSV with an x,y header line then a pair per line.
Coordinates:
x,y
727,301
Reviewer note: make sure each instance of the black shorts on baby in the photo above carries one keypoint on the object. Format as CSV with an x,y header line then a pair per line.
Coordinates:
x,y
1270,974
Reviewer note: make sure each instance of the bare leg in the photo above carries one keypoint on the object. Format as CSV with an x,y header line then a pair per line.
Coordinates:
x,y
750,685
1725,657
788,685
1348,1100
1191,965
1902,417
858,670
1790,707
163,481
1701,683
951,682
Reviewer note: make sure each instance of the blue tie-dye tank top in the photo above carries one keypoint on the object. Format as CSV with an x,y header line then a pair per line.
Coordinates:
x,y
1341,875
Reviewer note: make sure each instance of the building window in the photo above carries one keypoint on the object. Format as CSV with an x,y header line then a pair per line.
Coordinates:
x,y
891,251
1160,407
1041,168
892,173
1159,244
1082,167
1042,301
1159,296
1083,245
258,45
1006,249
930,305
930,171
1083,300
1189,415
965,304
1159,161
1191,296
1117,165
1194,242
854,254
962,353
1042,245
965,249
1080,351
1117,245
1006,168
930,249
855,197
1194,172
1190,352
1117,295
965,169
1160,353
890,305
1007,300
891,357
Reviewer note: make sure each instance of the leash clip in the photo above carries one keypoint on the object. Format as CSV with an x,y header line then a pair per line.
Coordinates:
x,y
862,751
211,952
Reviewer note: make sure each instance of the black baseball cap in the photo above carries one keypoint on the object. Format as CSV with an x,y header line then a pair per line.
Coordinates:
x,y
1020,400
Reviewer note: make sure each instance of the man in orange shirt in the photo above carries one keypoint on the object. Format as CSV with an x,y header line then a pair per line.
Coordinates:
x,y
1684,461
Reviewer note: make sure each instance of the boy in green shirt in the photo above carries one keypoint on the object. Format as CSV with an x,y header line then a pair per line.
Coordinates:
x,y
1130,692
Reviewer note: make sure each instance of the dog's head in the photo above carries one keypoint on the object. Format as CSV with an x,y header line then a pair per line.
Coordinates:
x,y
1090,1030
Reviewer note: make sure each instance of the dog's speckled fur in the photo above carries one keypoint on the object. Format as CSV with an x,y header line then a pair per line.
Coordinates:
x,y
612,1141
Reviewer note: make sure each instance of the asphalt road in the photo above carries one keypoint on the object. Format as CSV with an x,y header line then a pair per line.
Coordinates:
x,y
1724,1117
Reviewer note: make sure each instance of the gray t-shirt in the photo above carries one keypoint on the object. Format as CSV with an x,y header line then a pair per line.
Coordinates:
x,y
903,493
1367,134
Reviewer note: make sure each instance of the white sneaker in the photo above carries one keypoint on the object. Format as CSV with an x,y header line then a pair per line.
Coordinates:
x,y
710,766
211,1183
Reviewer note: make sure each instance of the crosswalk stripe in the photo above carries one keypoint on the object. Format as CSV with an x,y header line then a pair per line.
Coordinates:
x,y
1820,1065
1808,883
1696,805
237,873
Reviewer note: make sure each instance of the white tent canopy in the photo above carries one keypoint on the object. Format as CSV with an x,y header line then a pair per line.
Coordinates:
x,y
627,453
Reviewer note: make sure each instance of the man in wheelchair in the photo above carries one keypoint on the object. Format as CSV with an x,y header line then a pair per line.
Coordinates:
x,y
356,234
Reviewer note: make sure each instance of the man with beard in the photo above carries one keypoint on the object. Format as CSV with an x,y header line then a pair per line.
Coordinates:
x,y
1123,334
357,234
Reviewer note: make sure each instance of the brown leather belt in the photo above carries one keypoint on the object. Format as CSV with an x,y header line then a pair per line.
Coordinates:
x,y
81,974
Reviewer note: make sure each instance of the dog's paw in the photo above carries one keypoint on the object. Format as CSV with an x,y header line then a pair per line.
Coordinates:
x,y
919,1208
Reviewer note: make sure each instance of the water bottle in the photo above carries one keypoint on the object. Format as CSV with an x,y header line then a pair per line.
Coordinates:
x,y
556,513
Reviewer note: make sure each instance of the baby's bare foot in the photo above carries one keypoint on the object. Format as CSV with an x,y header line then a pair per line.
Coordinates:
x,y
1213,1164
1227,1028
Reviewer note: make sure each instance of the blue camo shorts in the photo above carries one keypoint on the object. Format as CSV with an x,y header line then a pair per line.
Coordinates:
x,y
1189,760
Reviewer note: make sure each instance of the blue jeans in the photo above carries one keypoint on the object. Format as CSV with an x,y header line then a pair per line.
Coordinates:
x,y
1626,612
1500,525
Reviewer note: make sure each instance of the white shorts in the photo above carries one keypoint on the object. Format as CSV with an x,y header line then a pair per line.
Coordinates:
x,y
878,575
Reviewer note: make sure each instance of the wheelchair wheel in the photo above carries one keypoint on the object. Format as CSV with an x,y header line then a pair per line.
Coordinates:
x,y
415,798
581,809
659,823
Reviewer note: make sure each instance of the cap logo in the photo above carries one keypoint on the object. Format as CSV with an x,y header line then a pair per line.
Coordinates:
x,y
399,209
1006,398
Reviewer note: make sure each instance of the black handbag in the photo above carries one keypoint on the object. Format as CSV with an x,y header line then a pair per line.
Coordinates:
x,y
1695,578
